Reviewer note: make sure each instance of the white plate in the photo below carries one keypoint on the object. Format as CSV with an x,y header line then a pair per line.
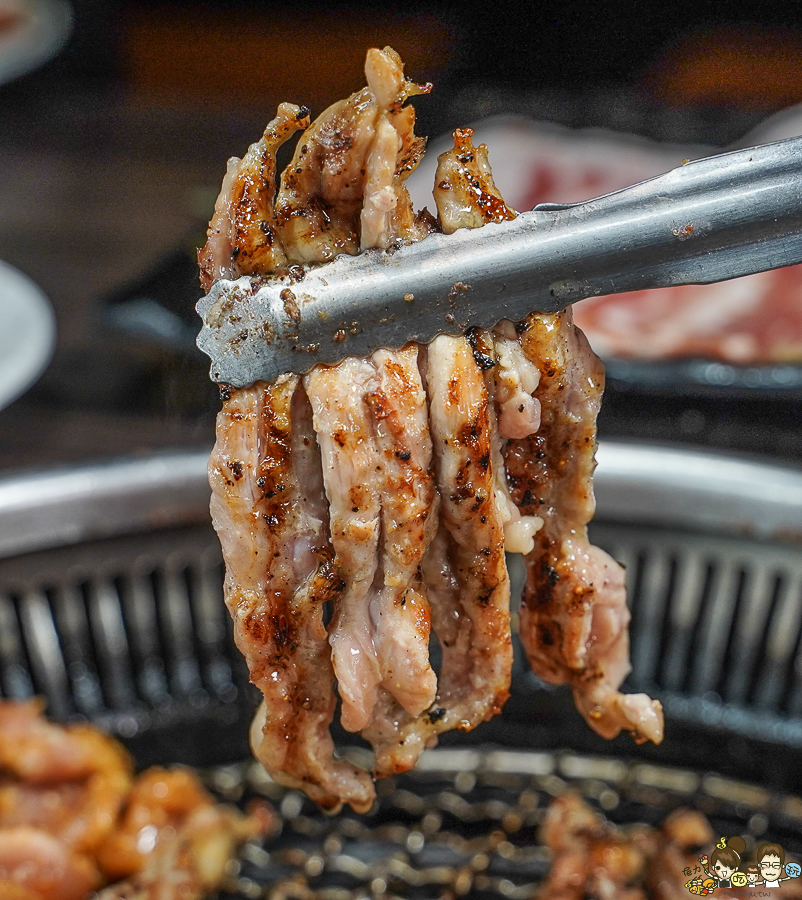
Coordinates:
x,y
34,32
27,333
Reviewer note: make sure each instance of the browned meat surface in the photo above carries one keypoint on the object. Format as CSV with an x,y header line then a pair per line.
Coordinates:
x,y
592,858
464,571
34,865
464,191
467,571
73,817
288,548
409,516
268,507
173,841
684,833
343,190
62,791
243,234
574,616
388,489
343,427
370,420
70,782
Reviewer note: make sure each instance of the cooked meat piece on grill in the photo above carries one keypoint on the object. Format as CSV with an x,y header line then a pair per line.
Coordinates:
x,y
387,489
173,841
464,191
34,865
464,570
343,190
549,387
683,834
73,818
242,233
591,857
68,781
367,413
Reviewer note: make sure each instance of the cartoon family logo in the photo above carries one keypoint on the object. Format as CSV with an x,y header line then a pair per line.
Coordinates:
x,y
727,869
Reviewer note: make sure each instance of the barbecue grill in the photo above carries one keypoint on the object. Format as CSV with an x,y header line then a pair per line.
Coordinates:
x,y
111,608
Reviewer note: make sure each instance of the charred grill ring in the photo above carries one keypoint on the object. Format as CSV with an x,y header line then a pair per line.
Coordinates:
x,y
107,574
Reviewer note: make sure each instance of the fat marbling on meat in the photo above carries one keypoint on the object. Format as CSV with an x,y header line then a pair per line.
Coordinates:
x,y
387,489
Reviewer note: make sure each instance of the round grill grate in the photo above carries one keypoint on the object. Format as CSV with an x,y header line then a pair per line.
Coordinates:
x,y
465,824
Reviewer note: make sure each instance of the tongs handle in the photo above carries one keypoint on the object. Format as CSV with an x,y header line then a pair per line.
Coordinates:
x,y
709,220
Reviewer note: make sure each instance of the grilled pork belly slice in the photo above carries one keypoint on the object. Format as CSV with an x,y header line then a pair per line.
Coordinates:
x,y
242,236
574,616
464,570
173,841
268,507
410,505
591,857
388,489
343,190
367,413
342,425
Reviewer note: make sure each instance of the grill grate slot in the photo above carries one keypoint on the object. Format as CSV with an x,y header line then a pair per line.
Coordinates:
x,y
130,632
652,580
792,683
734,662
689,578
745,653
633,560
714,627
14,675
140,614
652,599
175,617
110,642
764,656
696,643
73,628
211,623
666,636
49,673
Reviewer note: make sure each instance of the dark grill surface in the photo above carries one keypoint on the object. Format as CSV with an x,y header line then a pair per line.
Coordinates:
x,y
465,824
131,632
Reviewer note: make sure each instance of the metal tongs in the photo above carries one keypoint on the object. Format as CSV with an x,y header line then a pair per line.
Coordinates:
x,y
709,220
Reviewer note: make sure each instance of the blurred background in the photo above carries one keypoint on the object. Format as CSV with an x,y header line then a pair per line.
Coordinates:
x,y
116,119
